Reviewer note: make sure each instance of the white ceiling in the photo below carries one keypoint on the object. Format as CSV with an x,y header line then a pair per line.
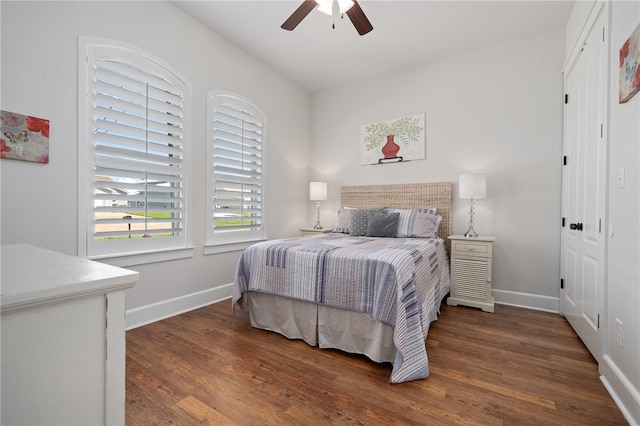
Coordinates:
x,y
405,33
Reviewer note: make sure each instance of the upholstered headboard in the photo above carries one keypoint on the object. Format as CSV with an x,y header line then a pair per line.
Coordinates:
x,y
405,196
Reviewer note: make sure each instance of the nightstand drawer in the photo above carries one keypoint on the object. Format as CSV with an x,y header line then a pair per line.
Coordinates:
x,y
470,248
306,232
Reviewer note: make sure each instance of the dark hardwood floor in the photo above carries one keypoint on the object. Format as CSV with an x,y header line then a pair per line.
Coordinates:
x,y
512,367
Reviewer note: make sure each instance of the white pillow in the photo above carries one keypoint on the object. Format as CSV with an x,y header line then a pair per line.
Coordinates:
x,y
343,224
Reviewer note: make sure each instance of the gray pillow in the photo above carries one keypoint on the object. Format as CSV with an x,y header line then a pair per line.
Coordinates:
x,y
383,224
360,221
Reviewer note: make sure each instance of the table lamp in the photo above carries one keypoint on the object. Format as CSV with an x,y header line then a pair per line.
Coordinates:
x,y
471,187
317,193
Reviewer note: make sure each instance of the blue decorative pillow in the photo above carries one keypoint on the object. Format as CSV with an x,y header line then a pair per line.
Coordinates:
x,y
360,221
382,224
417,223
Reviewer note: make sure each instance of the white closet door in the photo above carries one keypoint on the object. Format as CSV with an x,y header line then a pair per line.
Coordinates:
x,y
584,190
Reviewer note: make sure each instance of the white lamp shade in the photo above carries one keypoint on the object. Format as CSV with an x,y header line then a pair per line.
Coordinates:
x,y
472,186
317,191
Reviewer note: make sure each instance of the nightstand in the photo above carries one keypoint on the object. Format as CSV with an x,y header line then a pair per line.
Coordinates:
x,y
306,232
471,260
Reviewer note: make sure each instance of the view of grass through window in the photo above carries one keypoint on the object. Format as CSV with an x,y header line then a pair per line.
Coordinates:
x,y
133,224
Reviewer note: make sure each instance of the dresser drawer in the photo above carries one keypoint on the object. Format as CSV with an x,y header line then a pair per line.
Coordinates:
x,y
471,248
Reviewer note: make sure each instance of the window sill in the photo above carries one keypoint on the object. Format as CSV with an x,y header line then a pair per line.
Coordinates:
x,y
229,247
141,258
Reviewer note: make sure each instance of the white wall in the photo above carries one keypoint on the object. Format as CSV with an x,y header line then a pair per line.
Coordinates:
x,y
496,110
39,77
621,367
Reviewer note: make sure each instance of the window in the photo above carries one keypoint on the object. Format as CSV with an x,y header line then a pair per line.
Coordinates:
x,y
133,182
234,170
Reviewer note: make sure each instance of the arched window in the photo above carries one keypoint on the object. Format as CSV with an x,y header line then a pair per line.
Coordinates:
x,y
133,152
235,158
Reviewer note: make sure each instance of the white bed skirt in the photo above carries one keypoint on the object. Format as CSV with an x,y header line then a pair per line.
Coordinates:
x,y
322,326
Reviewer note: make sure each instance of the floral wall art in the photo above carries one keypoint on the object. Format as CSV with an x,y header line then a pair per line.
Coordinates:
x,y
394,140
629,69
24,137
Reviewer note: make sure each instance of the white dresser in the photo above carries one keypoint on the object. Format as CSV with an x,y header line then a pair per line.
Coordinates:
x,y
63,338
471,263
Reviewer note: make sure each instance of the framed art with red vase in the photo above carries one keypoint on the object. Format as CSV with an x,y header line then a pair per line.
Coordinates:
x,y
394,140
629,69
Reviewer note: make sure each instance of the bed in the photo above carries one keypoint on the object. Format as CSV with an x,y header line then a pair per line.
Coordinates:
x,y
368,295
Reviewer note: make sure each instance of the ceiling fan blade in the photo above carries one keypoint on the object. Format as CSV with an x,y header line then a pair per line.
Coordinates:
x,y
359,19
299,14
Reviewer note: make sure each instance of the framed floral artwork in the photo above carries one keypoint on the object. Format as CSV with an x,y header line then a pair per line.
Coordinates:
x,y
394,140
24,137
629,69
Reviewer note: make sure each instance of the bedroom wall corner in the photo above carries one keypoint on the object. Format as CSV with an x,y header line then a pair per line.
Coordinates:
x,y
495,110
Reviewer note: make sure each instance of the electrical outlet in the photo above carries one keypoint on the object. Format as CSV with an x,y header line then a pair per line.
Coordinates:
x,y
619,331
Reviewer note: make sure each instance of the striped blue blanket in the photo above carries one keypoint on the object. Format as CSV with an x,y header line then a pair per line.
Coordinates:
x,y
398,281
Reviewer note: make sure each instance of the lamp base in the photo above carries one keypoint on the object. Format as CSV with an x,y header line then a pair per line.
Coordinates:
x,y
471,233
317,226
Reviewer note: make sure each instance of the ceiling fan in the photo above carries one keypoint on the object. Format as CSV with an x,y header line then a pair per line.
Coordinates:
x,y
350,7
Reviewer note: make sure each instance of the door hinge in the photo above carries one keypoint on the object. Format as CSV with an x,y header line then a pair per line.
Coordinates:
x,y
599,226
561,283
566,98
598,321
564,160
601,130
563,220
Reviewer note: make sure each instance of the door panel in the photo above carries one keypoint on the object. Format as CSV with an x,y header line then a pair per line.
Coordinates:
x,y
584,186
590,288
570,285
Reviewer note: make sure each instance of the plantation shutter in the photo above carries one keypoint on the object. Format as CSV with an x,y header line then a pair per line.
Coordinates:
x,y
235,169
138,153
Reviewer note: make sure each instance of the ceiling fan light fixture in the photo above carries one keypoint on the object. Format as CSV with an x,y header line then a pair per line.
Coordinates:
x,y
332,8
326,6
345,5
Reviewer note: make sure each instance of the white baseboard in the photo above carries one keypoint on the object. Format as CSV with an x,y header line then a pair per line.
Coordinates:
x,y
625,395
526,300
167,308
143,315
